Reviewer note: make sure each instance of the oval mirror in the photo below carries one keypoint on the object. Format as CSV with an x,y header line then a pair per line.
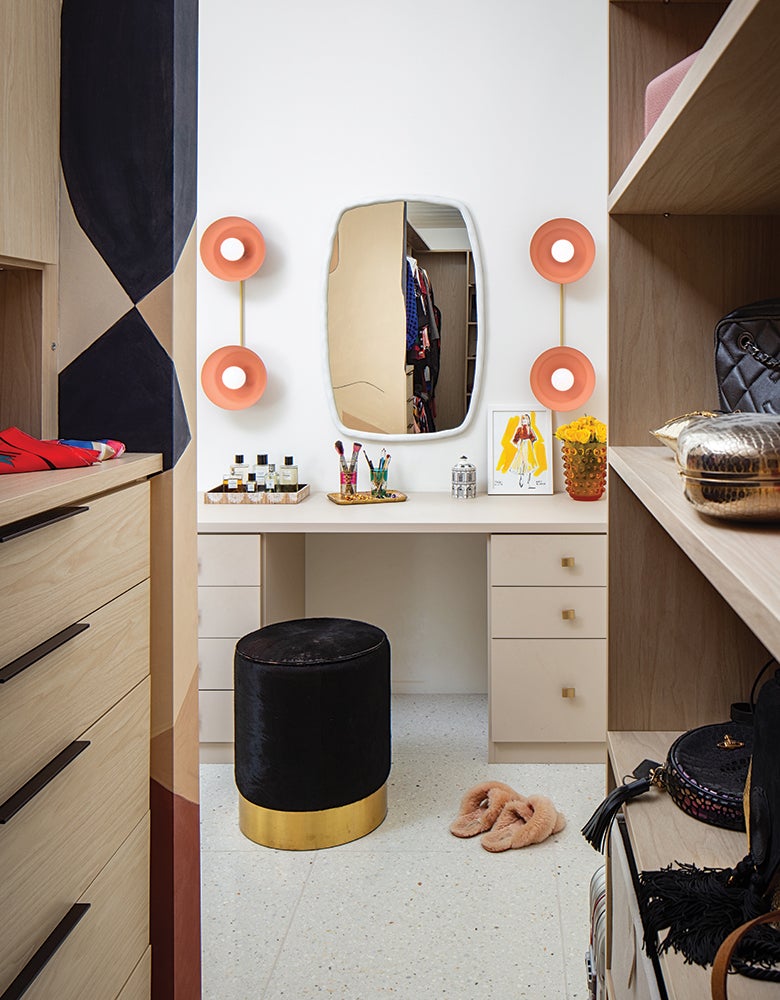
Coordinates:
x,y
403,301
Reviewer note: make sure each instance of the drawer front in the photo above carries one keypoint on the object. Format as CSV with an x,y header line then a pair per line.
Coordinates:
x,y
55,575
116,925
225,612
548,612
527,681
139,985
548,560
229,560
215,711
54,847
215,664
52,701
631,970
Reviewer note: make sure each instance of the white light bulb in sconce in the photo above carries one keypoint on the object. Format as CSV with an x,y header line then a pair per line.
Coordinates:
x,y
234,377
562,251
562,379
232,248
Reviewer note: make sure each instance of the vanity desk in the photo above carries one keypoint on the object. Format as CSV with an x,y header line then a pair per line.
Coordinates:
x,y
544,604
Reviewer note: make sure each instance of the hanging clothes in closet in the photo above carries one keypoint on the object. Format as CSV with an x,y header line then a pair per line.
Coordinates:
x,y
423,345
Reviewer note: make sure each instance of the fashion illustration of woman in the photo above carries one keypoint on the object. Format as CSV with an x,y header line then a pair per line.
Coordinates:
x,y
524,439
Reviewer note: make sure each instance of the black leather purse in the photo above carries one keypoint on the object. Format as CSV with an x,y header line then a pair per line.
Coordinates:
x,y
747,358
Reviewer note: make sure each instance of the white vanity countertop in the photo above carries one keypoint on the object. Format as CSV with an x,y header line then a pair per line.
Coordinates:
x,y
421,512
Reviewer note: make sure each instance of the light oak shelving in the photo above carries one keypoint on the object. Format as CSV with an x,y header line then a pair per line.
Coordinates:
x,y
694,605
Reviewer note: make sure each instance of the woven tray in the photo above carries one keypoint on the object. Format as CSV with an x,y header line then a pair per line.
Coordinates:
x,y
359,498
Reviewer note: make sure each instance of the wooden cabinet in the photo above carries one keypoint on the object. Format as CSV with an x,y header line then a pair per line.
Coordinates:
x,y
236,596
547,664
74,728
694,604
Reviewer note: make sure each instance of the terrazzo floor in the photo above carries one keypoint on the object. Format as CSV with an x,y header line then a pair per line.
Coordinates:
x,y
409,911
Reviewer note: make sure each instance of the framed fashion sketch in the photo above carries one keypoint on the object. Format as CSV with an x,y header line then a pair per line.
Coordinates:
x,y
519,450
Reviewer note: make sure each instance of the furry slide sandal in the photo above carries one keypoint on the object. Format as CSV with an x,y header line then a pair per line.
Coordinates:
x,y
481,807
523,822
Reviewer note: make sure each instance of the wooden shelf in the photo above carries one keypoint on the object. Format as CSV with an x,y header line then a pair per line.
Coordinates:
x,y
713,148
739,559
661,833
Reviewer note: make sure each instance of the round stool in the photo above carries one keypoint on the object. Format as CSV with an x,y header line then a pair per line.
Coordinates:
x,y
312,711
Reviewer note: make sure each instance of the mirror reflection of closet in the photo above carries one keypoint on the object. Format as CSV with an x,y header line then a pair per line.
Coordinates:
x,y
394,370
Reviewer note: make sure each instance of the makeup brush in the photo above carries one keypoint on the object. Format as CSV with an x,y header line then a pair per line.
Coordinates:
x,y
370,463
342,460
355,452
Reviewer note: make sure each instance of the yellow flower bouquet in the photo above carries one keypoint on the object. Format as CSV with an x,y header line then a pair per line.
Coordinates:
x,y
584,457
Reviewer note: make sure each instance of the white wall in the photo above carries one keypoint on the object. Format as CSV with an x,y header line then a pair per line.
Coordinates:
x,y
307,108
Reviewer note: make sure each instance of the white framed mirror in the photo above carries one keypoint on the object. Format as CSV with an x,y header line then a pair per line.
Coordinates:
x,y
404,319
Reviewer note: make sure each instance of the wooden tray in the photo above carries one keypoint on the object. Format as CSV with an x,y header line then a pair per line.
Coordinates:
x,y
358,498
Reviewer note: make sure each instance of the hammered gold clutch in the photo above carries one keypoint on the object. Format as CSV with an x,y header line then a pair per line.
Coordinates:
x,y
731,466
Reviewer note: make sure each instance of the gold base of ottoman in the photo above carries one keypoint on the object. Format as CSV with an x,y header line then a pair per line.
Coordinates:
x,y
310,831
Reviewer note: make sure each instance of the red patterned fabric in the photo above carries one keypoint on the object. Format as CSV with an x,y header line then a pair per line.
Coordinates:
x,y
19,452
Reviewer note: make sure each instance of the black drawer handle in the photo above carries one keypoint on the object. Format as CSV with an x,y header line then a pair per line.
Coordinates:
x,y
43,649
47,950
17,528
40,780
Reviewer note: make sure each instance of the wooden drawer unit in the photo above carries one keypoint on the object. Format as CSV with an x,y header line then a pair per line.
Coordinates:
x,y
99,955
215,664
548,622
551,690
548,612
215,714
52,701
138,986
64,566
229,560
228,612
58,839
548,560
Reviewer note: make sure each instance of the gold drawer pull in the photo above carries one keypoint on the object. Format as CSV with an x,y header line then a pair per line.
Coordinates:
x,y
568,614
567,562
568,692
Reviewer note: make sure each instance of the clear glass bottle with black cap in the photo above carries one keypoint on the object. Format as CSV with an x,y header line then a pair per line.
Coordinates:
x,y
271,479
261,473
240,468
288,476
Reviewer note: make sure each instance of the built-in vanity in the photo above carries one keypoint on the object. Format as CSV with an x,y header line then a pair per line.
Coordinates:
x,y
544,605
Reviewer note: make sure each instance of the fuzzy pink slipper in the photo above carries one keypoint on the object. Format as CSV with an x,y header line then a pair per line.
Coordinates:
x,y
481,807
524,822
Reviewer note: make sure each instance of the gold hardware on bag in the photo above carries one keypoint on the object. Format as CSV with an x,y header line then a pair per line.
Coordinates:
x,y
568,692
568,614
729,743
567,561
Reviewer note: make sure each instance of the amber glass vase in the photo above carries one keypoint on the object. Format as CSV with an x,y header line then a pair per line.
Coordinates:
x,y
585,469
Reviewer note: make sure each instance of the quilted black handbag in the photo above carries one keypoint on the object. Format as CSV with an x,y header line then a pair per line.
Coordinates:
x,y
747,358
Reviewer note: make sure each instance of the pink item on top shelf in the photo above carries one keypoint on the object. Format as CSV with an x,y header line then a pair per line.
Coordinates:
x,y
659,91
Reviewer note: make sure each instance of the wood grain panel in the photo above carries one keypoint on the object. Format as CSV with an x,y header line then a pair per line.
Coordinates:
x,y
71,568
21,317
672,280
29,125
52,850
678,654
52,702
116,925
138,985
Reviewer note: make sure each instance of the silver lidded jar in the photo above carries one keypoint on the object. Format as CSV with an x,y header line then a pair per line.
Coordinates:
x,y
731,466
464,479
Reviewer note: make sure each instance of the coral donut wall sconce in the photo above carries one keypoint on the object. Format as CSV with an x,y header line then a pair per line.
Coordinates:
x,y
562,378
233,377
562,250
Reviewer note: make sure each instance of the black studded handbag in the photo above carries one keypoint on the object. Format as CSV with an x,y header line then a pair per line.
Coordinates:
x,y
747,358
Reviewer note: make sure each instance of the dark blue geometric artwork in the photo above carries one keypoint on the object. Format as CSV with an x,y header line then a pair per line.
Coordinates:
x,y
124,386
129,131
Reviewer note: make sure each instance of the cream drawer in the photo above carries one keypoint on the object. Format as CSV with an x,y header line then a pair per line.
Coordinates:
x,y
548,612
632,971
102,951
527,680
139,985
215,713
54,575
55,845
53,700
228,612
229,560
215,663
548,560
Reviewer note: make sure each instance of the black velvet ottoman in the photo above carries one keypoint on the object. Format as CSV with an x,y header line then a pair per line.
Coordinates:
x,y
312,711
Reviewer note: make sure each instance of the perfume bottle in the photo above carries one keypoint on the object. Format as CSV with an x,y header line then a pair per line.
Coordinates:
x,y
251,482
288,476
261,472
240,468
271,479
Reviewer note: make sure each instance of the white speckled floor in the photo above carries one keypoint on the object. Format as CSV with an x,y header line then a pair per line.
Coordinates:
x,y
409,911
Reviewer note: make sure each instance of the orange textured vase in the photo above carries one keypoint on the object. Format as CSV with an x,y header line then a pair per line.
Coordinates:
x,y
585,469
